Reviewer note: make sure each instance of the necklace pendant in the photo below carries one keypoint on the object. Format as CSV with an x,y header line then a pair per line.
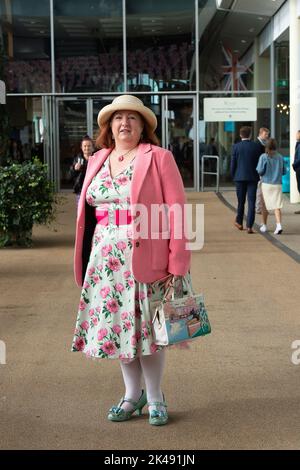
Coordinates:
x,y
121,158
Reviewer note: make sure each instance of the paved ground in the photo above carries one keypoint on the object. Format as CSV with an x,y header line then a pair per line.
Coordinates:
x,y
234,389
290,238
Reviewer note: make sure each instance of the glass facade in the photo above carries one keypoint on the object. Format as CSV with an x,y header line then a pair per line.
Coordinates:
x,y
25,41
65,60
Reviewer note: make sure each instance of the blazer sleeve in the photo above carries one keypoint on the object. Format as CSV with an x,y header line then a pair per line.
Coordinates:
x,y
233,163
296,164
174,194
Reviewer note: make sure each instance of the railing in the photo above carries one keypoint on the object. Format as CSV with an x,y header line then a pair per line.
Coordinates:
x,y
217,173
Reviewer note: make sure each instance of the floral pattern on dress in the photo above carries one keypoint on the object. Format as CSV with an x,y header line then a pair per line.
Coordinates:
x,y
114,317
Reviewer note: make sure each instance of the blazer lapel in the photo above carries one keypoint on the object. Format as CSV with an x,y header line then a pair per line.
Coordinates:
x,y
142,163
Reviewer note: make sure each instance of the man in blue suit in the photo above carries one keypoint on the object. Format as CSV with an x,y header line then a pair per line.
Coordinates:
x,y
245,156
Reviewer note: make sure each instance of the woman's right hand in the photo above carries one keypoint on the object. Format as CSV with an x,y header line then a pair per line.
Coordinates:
x,y
77,166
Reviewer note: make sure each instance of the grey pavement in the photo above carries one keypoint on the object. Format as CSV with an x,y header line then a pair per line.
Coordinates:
x,y
234,389
289,240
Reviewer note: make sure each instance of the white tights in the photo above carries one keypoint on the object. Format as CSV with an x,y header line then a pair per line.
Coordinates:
x,y
151,367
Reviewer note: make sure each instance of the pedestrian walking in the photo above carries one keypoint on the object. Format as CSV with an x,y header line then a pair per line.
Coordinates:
x,y
119,271
262,139
271,168
245,155
296,163
79,165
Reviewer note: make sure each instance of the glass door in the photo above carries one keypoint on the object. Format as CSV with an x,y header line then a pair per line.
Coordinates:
x,y
179,135
72,126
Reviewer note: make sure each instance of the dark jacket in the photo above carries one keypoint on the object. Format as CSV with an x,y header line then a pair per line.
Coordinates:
x,y
296,164
245,156
262,147
78,175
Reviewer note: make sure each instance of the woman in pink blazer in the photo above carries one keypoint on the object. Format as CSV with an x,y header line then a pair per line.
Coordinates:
x,y
130,243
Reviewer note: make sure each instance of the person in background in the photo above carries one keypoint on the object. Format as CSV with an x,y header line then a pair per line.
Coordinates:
x,y
262,139
245,155
296,163
79,166
271,168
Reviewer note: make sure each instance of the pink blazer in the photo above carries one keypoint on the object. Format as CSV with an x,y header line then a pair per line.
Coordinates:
x,y
155,180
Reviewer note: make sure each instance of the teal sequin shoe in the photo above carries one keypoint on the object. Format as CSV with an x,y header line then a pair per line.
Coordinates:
x,y
158,417
116,413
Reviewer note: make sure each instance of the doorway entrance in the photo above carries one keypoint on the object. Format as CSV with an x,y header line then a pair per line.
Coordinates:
x,y
77,117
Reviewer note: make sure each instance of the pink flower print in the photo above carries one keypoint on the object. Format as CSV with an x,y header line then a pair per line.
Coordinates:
x,y
144,324
138,335
82,305
96,279
98,309
145,333
130,282
86,285
109,348
119,287
112,305
91,271
100,267
122,356
137,313
106,249
79,344
121,245
153,348
127,274
90,200
104,292
85,325
107,184
114,264
101,334
117,329
149,292
91,312
133,340
76,332
124,315
104,174
142,295
127,325
95,321
122,180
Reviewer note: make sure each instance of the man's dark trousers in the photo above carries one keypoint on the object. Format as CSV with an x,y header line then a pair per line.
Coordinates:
x,y
244,188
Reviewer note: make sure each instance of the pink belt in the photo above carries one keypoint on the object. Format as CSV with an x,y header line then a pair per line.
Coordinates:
x,y
117,217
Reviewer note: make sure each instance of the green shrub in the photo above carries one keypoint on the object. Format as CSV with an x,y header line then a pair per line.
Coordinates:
x,y
27,197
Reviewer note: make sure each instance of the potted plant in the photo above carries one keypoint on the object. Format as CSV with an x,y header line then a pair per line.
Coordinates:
x,y
27,197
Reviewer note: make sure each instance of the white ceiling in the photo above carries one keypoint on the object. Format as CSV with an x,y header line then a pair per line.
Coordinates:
x,y
255,7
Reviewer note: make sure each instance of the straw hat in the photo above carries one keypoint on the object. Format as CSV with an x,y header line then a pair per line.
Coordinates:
x,y
130,103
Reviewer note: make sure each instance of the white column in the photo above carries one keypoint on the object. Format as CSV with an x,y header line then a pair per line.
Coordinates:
x,y
294,91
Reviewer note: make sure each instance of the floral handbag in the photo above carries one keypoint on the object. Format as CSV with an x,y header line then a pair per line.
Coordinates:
x,y
179,319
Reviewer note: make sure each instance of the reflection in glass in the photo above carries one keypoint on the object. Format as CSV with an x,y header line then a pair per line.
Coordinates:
x,y
25,41
26,128
229,57
181,136
160,45
282,94
88,45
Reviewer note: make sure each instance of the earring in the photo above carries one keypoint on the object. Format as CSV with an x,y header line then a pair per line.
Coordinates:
x,y
141,136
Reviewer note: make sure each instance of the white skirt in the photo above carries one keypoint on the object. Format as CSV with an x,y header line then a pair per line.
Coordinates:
x,y
272,194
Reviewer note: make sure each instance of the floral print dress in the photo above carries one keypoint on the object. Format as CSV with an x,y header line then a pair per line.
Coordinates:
x,y
114,317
